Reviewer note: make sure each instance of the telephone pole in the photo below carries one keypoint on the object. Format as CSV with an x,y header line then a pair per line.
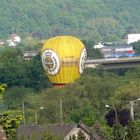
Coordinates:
x,y
132,104
61,111
23,112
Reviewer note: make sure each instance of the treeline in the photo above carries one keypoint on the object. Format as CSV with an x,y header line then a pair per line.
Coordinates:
x,y
16,71
93,20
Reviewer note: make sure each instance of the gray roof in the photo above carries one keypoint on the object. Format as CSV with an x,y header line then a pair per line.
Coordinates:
x,y
57,129
113,46
61,129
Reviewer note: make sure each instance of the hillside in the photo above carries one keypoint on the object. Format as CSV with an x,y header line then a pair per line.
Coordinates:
x,y
87,19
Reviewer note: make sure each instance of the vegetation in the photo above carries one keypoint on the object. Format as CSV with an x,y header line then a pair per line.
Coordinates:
x,y
136,46
16,71
9,123
91,20
83,100
23,82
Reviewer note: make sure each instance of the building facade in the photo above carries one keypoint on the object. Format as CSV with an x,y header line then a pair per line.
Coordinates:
x,y
117,50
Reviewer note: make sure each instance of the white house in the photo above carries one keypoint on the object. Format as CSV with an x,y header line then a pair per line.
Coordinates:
x,y
133,38
13,40
2,42
100,45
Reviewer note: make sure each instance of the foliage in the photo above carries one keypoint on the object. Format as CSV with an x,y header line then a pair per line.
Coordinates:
x,y
106,132
133,131
85,114
16,71
136,46
103,18
30,44
2,89
118,132
11,67
14,96
91,52
84,99
10,124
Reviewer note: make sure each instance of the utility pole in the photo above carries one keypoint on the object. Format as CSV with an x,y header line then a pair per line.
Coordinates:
x,y
61,111
132,103
36,115
23,112
124,135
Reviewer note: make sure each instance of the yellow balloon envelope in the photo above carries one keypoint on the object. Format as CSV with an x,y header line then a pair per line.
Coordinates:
x,y
63,59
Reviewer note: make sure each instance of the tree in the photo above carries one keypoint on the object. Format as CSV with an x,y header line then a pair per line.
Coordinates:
x,y
133,130
85,114
35,75
14,96
111,38
118,132
128,91
16,71
136,46
106,132
12,68
91,52
10,124
2,89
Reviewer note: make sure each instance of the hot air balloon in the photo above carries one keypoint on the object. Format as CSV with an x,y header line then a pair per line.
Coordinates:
x,y
63,59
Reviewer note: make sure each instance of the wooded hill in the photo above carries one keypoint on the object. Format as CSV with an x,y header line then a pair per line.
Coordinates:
x,y
87,19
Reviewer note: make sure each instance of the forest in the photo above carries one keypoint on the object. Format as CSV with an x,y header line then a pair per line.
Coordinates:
x,y
95,20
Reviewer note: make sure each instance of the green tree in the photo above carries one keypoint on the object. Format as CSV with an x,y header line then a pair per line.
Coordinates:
x,y
2,89
106,132
16,71
85,114
119,132
136,46
35,75
91,52
10,124
133,130
14,96
12,69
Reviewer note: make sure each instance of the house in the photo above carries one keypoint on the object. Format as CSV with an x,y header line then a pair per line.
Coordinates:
x,y
2,42
131,38
98,46
110,50
27,55
63,131
13,40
